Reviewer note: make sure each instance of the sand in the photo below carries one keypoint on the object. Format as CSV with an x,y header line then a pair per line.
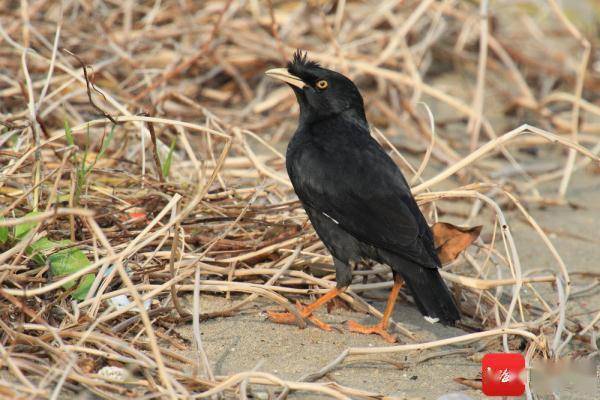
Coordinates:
x,y
249,339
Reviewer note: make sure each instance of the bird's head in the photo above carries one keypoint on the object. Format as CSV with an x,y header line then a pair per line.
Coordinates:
x,y
321,93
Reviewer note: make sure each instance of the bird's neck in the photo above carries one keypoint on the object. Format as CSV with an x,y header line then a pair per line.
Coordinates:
x,y
348,118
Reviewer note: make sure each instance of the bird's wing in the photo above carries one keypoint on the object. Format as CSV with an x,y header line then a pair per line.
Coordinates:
x,y
363,191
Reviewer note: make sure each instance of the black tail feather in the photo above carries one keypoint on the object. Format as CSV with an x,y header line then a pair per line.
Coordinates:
x,y
429,291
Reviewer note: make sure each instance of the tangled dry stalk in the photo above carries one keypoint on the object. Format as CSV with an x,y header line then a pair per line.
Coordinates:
x,y
178,186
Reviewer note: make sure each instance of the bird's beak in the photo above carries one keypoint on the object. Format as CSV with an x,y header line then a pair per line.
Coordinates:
x,y
283,75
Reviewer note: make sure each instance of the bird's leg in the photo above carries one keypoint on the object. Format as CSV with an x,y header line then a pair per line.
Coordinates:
x,y
306,311
381,327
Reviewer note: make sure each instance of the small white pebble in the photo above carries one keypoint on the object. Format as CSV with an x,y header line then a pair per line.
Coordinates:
x,y
114,373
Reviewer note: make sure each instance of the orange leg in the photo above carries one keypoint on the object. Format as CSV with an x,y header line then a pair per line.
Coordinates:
x,y
306,311
380,328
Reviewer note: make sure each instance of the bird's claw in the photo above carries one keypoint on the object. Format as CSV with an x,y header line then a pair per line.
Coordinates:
x,y
377,329
320,324
281,317
305,312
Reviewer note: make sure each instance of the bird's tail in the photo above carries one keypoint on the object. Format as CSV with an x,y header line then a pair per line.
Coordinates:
x,y
429,291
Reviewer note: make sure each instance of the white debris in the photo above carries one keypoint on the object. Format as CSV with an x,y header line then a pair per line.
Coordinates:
x,y
114,373
455,396
121,301
431,320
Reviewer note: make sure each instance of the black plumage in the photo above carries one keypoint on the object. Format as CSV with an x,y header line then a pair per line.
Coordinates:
x,y
356,197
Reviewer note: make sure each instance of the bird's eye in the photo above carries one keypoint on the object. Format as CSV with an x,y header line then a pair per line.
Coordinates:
x,y
322,84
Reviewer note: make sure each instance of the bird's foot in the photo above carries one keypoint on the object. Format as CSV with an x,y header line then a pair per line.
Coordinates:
x,y
305,312
378,329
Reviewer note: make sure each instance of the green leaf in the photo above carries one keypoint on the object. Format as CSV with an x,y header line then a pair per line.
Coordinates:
x,y
66,262
3,233
63,262
166,167
23,229
84,287
69,134
39,249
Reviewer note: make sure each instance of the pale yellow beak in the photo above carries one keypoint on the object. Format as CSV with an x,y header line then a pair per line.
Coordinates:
x,y
283,75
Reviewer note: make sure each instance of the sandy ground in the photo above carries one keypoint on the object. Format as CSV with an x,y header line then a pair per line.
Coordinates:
x,y
248,339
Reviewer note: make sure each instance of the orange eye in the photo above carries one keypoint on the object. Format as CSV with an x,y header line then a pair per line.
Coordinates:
x,y
322,84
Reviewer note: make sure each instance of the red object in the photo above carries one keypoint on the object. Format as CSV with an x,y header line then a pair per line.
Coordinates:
x,y
136,215
501,374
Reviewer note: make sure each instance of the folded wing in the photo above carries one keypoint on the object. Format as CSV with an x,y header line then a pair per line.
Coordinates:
x,y
366,194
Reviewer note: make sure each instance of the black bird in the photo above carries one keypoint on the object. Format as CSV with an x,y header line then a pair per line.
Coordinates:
x,y
356,197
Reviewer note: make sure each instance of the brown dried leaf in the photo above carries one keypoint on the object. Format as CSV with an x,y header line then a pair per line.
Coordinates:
x,y
450,240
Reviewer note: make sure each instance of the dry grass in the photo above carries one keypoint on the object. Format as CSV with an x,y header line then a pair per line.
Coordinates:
x,y
224,219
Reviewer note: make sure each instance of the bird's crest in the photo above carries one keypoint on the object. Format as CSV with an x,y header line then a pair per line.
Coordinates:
x,y
300,63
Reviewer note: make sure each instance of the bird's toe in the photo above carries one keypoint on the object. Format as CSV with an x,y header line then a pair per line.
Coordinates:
x,y
306,313
282,317
377,329
320,324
